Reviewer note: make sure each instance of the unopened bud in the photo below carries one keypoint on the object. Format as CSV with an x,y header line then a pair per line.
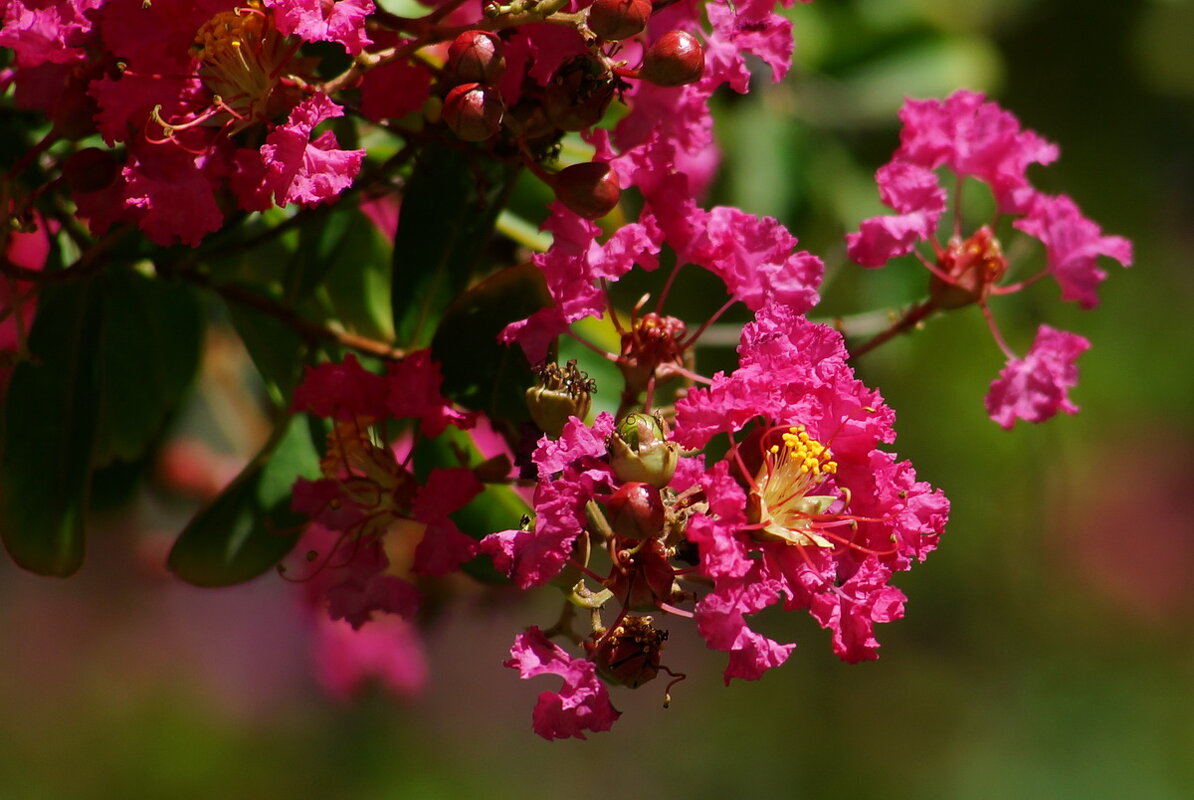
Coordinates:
x,y
476,57
473,111
639,451
618,19
636,511
562,392
675,59
590,189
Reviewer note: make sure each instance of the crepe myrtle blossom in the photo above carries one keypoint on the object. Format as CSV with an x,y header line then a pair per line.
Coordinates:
x,y
367,496
173,89
804,509
977,139
583,701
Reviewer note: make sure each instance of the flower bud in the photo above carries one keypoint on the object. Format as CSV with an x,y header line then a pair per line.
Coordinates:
x,y
635,511
561,393
590,189
476,57
473,111
618,19
675,59
628,654
639,451
579,92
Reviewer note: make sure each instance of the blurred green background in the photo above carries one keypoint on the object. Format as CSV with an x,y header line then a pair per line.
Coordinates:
x,y
1048,649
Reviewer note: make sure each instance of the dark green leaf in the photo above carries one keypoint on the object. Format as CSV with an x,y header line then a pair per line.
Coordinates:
x,y
480,372
358,282
320,241
148,353
249,527
276,348
50,418
451,203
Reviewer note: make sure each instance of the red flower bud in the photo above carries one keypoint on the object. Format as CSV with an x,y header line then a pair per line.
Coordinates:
x,y
476,57
636,511
473,111
618,19
590,189
675,59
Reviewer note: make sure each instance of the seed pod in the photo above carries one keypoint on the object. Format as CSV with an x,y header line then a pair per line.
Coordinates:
x,y
590,189
675,59
578,93
476,57
473,111
640,451
619,19
629,654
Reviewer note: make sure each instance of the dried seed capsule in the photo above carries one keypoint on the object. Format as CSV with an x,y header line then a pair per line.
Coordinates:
x,y
473,111
619,19
590,189
579,92
476,57
675,59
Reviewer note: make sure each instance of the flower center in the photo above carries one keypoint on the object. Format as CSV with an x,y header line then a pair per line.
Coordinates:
x,y
781,505
973,266
243,55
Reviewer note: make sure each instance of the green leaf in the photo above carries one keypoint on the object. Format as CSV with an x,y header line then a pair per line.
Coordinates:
x,y
249,527
276,348
357,285
481,373
448,213
49,431
148,353
320,241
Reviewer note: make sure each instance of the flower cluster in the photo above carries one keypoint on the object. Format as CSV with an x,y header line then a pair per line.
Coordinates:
x,y
204,107
689,497
976,139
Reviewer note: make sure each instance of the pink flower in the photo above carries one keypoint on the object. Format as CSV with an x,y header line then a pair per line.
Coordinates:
x,y
1072,246
299,170
415,392
342,391
172,194
571,472
978,139
911,190
387,651
750,27
340,21
1036,387
444,547
804,509
349,574
974,138
583,701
